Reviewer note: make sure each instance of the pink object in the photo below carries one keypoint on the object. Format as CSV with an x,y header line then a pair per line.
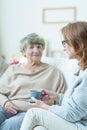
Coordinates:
x,y
15,62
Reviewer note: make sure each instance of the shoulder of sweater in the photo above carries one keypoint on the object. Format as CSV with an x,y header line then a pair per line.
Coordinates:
x,y
43,66
85,71
82,77
84,74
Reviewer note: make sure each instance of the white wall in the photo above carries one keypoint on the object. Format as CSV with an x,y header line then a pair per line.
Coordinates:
x,y
21,17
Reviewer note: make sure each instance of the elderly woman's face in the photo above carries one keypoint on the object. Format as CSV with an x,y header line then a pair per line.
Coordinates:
x,y
34,52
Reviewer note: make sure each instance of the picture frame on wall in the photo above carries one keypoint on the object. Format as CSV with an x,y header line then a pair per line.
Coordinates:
x,y
58,15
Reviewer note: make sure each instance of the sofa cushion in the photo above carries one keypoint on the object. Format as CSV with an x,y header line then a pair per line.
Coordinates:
x,y
67,66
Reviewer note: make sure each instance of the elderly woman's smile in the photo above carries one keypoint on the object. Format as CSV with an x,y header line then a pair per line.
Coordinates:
x,y
34,53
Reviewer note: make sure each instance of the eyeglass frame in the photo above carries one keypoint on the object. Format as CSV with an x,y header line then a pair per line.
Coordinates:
x,y
64,42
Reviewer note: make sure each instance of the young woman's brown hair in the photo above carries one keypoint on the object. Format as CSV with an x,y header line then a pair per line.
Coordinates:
x,y
76,36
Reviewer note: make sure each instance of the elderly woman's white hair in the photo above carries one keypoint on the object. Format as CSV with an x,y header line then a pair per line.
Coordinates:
x,y
32,38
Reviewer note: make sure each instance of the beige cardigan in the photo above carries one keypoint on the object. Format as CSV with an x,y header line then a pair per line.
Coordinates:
x,y
17,81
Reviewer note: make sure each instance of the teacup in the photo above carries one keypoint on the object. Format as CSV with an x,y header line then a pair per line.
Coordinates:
x,y
36,94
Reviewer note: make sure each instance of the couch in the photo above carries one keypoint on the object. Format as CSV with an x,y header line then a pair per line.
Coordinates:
x,y
67,66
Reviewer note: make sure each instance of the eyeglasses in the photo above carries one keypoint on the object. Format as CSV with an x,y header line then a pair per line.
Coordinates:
x,y
64,42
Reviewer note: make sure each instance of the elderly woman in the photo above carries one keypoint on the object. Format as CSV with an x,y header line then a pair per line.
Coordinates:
x,y
19,79
70,112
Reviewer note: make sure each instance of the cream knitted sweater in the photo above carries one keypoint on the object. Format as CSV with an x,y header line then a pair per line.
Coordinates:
x,y
17,81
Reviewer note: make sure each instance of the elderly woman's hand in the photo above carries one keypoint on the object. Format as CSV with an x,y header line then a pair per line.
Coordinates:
x,y
39,104
10,108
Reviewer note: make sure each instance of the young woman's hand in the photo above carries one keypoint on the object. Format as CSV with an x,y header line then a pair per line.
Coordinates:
x,y
39,104
49,95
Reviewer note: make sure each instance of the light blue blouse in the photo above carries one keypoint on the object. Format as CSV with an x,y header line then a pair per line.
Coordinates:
x,y
73,105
